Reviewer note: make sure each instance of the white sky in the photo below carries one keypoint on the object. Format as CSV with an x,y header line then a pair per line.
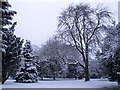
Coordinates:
x,y
37,19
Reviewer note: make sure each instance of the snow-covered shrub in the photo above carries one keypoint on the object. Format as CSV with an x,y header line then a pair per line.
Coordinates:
x,y
94,75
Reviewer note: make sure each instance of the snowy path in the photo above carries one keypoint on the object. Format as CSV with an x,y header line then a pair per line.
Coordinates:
x,y
94,83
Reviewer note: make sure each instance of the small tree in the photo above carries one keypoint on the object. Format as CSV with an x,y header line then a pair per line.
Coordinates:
x,y
55,67
72,71
28,73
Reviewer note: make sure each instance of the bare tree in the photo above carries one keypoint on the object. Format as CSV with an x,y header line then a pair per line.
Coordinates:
x,y
80,26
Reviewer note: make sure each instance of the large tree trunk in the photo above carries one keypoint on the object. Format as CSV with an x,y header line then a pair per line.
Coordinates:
x,y
87,78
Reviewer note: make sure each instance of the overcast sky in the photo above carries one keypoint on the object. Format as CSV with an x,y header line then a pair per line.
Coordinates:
x,y
37,19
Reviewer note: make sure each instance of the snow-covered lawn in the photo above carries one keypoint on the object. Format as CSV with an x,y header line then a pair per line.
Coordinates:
x,y
60,83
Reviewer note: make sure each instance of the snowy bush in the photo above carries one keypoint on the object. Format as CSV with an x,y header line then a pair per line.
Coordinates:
x,y
94,75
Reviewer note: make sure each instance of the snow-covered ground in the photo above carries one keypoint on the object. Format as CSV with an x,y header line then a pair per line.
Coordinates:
x,y
93,83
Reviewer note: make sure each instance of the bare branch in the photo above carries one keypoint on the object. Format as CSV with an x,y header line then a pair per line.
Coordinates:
x,y
75,43
97,26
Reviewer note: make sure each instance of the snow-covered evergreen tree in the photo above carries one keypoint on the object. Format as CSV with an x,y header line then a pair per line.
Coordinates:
x,y
28,73
107,57
11,44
